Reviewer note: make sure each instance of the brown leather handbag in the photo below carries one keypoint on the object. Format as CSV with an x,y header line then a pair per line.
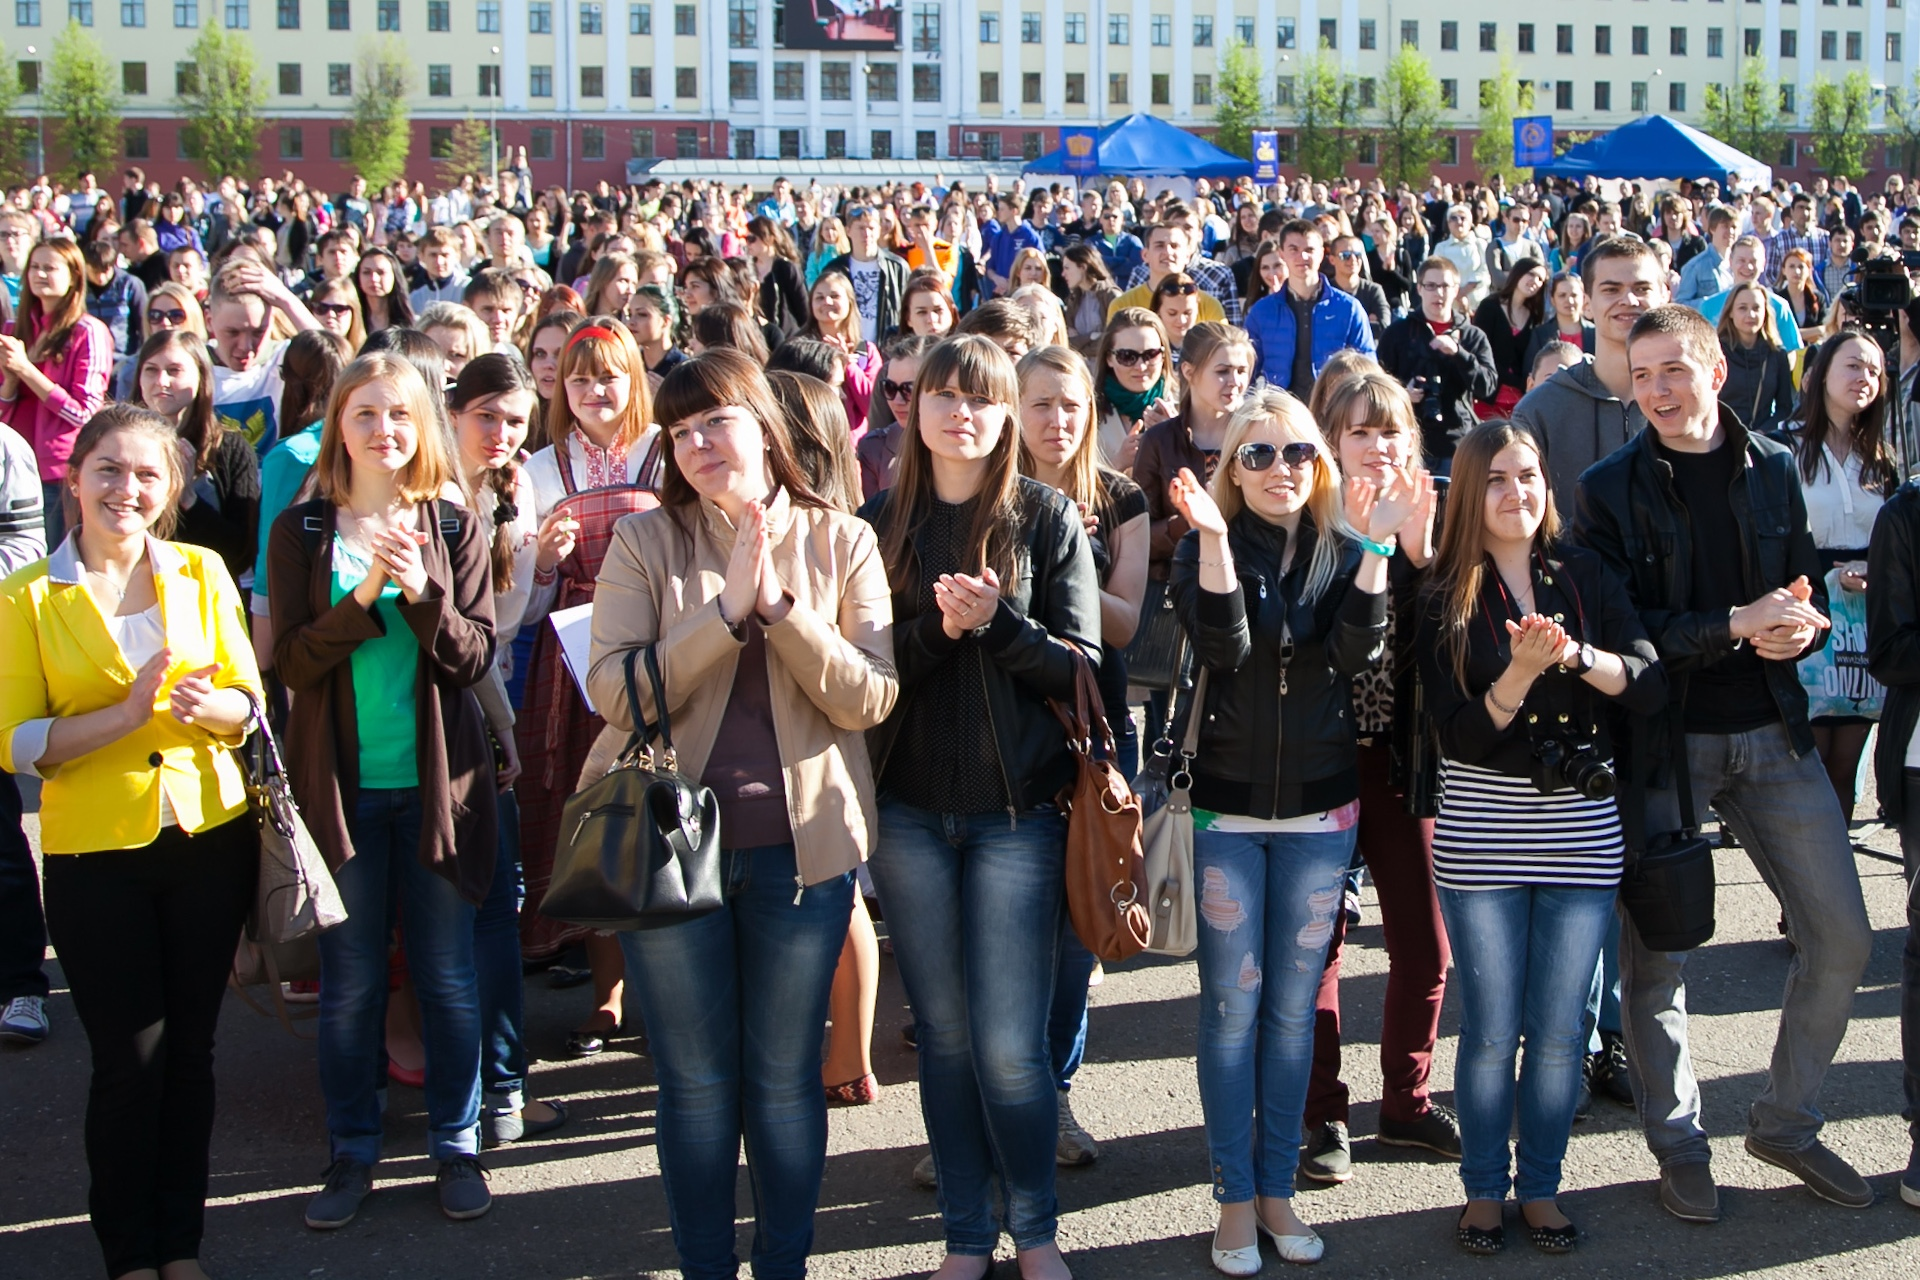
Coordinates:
x,y
1106,877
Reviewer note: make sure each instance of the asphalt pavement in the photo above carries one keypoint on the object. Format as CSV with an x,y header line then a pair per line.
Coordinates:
x,y
586,1202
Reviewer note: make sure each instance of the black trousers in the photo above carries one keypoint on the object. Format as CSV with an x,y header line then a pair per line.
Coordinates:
x,y
146,938
23,932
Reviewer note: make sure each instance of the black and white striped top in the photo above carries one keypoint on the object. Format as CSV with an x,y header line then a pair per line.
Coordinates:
x,y
1496,831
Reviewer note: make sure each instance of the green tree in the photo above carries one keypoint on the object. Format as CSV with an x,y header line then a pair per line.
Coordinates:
x,y
1842,114
82,97
1747,117
1410,141
16,131
1327,113
1501,99
1239,107
222,103
381,132
1903,122
470,150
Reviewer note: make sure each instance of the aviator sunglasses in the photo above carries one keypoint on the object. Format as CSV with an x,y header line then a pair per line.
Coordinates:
x,y
1259,457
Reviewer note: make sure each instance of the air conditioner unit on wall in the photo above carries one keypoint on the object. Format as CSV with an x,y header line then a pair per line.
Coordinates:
x,y
969,137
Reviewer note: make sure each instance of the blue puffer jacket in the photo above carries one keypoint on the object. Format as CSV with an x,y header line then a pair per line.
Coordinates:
x,y
1338,324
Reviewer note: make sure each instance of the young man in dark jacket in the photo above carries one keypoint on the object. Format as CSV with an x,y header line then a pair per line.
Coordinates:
x,y
1707,525
1445,362
1893,656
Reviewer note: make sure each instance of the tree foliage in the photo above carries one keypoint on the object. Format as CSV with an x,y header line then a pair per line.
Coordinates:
x,y
222,103
1239,106
1903,122
381,133
82,97
470,151
1747,117
1410,103
16,131
1501,99
1327,113
1841,116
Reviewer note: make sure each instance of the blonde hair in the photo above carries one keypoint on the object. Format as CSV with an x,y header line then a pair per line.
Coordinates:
x,y
426,473
1049,317
1324,502
178,293
849,327
1029,254
1386,402
460,318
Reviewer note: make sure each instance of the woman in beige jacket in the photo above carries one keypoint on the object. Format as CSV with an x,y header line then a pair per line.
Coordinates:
x,y
771,619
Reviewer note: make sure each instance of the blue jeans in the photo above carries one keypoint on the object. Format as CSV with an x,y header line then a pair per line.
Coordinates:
x,y
496,961
975,910
1790,825
735,1003
1267,907
382,882
1524,961
1603,996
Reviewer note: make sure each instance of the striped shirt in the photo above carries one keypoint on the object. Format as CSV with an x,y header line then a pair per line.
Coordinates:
x,y
1496,831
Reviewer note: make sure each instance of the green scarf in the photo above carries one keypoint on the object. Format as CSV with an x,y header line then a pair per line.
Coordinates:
x,y
1131,405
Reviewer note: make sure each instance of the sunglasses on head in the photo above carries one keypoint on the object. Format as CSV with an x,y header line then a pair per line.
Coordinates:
x,y
1259,457
1180,290
1127,357
895,390
157,316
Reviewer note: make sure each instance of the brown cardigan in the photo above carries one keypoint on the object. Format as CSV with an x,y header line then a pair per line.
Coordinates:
x,y
1165,447
313,642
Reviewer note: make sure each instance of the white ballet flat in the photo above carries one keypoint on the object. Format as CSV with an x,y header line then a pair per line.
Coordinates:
x,y
1305,1250
1236,1262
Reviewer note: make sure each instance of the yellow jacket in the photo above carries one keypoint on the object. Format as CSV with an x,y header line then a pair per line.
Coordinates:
x,y
60,660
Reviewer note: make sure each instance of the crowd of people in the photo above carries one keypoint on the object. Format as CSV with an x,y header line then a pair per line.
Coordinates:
x,y
867,477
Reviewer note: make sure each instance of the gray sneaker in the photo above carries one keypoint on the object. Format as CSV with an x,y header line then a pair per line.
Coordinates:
x,y
348,1183
1910,1180
463,1188
924,1175
1073,1147
25,1020
1822,1169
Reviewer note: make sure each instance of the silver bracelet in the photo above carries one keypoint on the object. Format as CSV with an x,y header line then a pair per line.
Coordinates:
x,y
1501,706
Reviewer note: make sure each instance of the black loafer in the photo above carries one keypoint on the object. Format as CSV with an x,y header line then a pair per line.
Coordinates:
x,y
1481,1240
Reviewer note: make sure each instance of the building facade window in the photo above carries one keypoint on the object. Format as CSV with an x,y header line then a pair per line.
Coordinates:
x,y
639,82
989,28
743,24
640,144
1639,42
593,19
1603,41
1369,34
1283,36
1283,91
1489,37
1789,44
540,143
990,87
1076,28
290,79
1853,46
1563,38
1677,41
1449,37
133,78
883,82
293,142
133,13
137,142
926,144
640,23
340,79
1637,97
1450,94
1716,42
686,82
686,20
1329,33
439,80
540,80
1076,88
1203,91
593,82
926,82
1409,34
1563,95
789,81
1030,88
186,13
836,82
81,12
1676,97
386,15
1829,46
593,142
439,15
1523,37
1117,89
26,13
1031,28
186,77
487,83
1602,95
880,144
836,144
487,17
1161,30
1243,31
1160,89
1203,33
339,142
540,18
926,27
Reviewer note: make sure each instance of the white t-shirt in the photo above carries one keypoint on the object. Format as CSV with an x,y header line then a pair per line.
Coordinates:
x,y
249,401
866,296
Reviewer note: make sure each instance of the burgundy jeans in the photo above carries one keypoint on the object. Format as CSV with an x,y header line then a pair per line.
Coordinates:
x,y
1398,849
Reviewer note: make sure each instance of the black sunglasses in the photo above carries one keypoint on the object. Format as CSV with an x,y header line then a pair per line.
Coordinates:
x,y
331,309
895,390
157,316
1259,457
1127,357
1170,290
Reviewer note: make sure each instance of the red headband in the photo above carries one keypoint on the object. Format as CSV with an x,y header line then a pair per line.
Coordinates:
x,y
592,331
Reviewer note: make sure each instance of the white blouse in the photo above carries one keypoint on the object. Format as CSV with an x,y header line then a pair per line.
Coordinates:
x,y
140,636
1839,509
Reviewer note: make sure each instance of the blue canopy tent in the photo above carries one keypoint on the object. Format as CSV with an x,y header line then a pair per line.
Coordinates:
x,y
1146,146
1657,147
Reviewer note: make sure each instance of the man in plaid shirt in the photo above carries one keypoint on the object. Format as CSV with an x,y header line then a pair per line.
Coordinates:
x,y
1799,233
1212,278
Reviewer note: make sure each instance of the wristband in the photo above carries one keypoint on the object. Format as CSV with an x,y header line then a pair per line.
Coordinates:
x,y
1382,549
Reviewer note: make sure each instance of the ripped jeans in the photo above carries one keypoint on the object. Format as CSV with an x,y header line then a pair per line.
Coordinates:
x,y
1267,903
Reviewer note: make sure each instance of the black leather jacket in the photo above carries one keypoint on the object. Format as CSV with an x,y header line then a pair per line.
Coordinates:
x,y
1051,608
1629,513
1893,639
1278,737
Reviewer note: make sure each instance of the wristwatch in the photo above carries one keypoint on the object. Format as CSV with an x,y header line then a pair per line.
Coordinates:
x,y
1585,658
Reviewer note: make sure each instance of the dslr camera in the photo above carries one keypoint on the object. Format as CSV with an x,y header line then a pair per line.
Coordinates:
x,y
1561,763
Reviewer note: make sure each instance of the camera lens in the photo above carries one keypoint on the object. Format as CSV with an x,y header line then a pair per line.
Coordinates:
x,y
1590,777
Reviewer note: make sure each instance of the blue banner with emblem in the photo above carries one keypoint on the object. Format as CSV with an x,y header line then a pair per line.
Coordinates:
x,y
1266,155
1532,141
1078,148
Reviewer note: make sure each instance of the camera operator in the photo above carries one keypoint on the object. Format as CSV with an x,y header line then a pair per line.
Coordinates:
x,y
1707,525
1523,643
1443,360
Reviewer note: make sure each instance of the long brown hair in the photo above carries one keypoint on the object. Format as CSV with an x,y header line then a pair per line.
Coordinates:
x,y
488,377
602,344
1130,318
49,327
1082,479
314,359
1459,570
822,441
199,426
713,379
978,367
1879,472
1197,349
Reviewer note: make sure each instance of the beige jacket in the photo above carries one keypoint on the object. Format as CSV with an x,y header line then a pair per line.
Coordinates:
x,y
829,661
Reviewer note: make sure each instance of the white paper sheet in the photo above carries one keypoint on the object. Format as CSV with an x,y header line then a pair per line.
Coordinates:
x,y
574,627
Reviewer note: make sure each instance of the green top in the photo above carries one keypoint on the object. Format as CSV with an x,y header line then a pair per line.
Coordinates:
x,y
384,671
282,473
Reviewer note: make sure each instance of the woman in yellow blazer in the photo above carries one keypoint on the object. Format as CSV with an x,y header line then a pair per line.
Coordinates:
x,y
125,690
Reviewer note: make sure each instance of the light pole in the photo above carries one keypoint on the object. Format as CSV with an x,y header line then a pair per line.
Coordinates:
x,y
39,132
493,120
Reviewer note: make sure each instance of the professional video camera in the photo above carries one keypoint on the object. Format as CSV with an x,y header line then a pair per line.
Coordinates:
x,y
1880,291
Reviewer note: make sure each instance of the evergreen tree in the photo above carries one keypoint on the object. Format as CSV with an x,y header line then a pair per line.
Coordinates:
x,y
470,150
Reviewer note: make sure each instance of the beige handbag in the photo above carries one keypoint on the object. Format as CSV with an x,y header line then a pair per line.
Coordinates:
x,y
1172,895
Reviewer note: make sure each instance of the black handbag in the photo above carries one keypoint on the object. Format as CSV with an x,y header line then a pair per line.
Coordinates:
x,y
1668,886
1157,654
639,847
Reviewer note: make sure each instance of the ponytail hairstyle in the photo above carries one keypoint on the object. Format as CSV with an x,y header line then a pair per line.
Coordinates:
x,y
489,377
199,426
314,359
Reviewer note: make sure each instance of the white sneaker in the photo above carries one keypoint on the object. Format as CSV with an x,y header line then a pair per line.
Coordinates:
x,y
25,1021
1073,1147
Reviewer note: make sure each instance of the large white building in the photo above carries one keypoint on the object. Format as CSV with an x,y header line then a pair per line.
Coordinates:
x,y
589,85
